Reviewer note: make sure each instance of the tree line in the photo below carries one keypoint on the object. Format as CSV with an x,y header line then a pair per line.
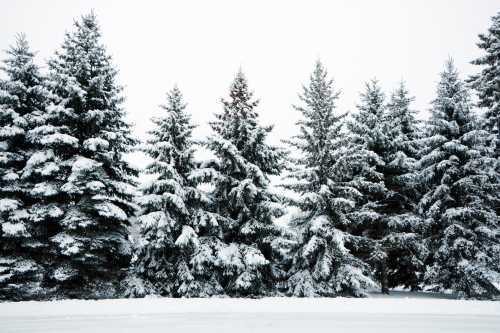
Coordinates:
x,y
383,200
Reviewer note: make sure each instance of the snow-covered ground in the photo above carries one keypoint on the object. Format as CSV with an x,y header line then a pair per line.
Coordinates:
x,y
376,314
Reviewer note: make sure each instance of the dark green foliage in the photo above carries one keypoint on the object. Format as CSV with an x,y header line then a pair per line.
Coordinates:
x,y
459,206
89,184
239,175
23,237
179,237
384,136
321,264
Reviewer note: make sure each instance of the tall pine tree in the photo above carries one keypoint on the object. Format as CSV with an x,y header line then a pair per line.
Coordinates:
x,y
486,83
321,265
179,237
91,186
242,197
370,142
23,238
461,223
401,240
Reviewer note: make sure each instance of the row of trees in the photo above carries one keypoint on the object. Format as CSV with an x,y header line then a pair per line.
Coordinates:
x,y
383,199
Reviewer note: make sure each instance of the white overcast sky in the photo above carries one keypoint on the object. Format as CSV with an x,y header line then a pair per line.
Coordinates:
x,y
201,44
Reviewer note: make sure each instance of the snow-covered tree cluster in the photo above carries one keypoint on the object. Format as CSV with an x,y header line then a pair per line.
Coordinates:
x,y
67,194
374,199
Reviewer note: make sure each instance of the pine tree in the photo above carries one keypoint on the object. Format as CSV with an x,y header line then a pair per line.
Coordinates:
x,y
461,223
239,175
384,137
486,82
370,142
402,241
179,237
321,265
23,243
90,190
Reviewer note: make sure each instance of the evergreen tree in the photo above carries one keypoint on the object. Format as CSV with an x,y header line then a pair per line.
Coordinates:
x,y
486,82
321,265
404,248
406,127
384,137
23,243
89,190
370,141
239,175
461,223
179,237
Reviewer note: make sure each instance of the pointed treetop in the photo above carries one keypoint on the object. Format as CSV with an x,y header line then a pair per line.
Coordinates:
x,y
319,77
20,59
89,21
84,40
372,100
239,90
319,70
175,100
450,83
239,117
319,96
452,103
487,40
87,28
20,46
402,93
400,100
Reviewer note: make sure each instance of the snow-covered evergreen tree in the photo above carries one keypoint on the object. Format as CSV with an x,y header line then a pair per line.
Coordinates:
x,y
321,265
404,248
384,138
89,190
370,141
179,237
459,207
240,178
486,83
23,242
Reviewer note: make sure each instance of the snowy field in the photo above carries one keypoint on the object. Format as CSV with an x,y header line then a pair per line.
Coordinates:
x,y
375,314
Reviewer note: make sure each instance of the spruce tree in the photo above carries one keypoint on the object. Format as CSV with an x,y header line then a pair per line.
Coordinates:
x,y
459,205
486,82
369,139
179,237
239,175
23,242
384,136
321,264
402,241
91,188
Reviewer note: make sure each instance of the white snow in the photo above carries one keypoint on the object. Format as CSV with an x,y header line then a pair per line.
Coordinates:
x,y
8,205
95,185
253,257
187,237
55,212
154,219
59,139
44,190
10,177
49,169
150,315
14,229
107,209
230,256
10,131
40,157
94,144
82,164
68,245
